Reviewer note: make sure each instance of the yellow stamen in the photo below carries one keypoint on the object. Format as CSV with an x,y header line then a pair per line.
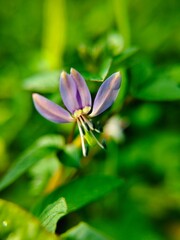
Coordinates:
x,y
77,113
86,109
80,112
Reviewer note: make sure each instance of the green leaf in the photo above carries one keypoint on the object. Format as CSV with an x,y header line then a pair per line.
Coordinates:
x,y
83,231
121,58
105,67
161,86
43,147
80,192
20,110
129,52
44,82
112,64
161,90
51,141
15,223
52,213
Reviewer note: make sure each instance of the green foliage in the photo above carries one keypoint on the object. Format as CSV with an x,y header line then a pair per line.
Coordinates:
x,y
163,85
44,83
16,223
83,231
43,147
80,192
52,213
131,190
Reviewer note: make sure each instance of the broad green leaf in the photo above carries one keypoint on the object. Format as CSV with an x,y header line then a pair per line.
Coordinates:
x,y
145,115
129,52
161,86
51,140
120,59
43,82
16,223
52,213
105,67
43,147
80,192
83,231
111,64
20,108
161,90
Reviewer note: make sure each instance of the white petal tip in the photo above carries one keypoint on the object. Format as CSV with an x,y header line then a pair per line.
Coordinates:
x,y
35,96
72,70
117,74
63,74
117,79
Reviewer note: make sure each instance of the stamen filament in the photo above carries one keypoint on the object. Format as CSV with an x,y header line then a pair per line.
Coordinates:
x,y
85,126
91,126
82,138
88,122
97,140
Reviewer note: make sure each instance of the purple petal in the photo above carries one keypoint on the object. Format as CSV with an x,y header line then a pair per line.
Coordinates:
x,y
69,93
106,94
50,110
82,88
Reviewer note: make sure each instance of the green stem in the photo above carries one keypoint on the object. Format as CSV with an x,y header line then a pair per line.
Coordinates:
x,y
121,16
54,31
122,21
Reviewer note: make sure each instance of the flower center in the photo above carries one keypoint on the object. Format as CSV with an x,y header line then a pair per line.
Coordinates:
x,y
77,113
81,112
86,109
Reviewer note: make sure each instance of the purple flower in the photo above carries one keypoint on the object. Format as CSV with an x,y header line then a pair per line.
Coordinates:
x,y
77,99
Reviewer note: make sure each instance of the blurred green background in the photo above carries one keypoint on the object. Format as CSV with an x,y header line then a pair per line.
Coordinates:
x,y
38,39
